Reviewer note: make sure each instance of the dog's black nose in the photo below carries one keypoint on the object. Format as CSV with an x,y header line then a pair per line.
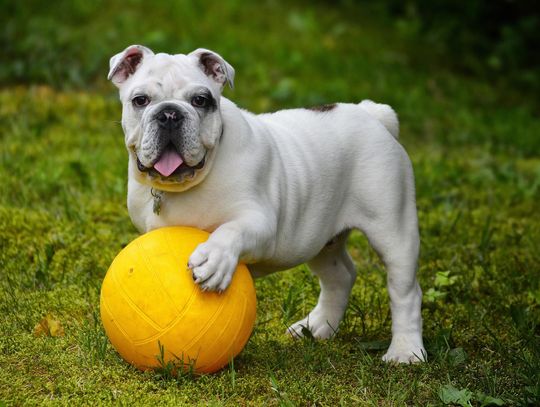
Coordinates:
x,y
169,119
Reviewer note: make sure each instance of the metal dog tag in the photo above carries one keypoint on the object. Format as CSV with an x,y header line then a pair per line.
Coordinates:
x,y
156,207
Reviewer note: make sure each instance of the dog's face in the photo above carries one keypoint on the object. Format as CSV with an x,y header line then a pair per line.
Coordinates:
x,y
171,113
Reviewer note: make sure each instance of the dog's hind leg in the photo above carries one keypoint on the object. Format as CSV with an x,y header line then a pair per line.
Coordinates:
x,y
337,274
395,237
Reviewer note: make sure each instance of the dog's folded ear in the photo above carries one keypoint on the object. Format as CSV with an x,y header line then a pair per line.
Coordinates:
x,y
125,63
214,66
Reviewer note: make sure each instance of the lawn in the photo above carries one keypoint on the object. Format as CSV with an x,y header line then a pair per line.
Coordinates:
x,y
476,153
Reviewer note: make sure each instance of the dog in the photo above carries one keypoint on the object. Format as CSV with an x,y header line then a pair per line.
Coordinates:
x,y
275,190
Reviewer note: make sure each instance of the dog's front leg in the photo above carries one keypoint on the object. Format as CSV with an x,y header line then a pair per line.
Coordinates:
x,y
213,263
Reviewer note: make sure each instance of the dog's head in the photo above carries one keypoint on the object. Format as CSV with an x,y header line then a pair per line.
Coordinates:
x,y
171,112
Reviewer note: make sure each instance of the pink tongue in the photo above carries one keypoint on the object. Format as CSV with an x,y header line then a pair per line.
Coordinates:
x,y
170,160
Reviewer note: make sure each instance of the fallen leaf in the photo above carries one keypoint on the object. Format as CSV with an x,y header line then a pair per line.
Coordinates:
x,y
49,326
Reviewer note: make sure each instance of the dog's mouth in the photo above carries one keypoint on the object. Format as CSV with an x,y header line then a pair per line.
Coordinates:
x,y
170,166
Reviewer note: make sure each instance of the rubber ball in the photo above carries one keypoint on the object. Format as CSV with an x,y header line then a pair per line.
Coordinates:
x,y
155,315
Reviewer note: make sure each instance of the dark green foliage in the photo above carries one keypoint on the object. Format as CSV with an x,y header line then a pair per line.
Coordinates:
x,y
495,38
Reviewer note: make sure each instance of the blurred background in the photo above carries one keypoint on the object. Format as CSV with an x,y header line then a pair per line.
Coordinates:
x,y
297,52
67,43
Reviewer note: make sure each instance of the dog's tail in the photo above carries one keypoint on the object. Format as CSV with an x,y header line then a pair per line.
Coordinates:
x,y
383,113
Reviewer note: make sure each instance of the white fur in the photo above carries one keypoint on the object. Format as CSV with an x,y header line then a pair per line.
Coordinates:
x,y
281,186
383,113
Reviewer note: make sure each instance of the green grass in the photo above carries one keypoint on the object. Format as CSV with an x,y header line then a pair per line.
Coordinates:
x,y
476,154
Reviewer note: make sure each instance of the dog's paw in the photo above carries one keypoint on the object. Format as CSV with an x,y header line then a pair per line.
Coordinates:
x,y
405,349
316,324
212,266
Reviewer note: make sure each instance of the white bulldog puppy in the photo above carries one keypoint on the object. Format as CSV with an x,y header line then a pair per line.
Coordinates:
x,y
275,190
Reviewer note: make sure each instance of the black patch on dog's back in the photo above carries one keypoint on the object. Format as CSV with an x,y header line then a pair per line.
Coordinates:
x,y
323,108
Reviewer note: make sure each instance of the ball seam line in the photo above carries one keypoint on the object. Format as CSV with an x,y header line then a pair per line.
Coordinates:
x,y
232,345
153,272
134,306
113,320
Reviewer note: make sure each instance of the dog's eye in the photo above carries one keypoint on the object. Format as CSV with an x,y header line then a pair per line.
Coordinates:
x,y
199,101
140,101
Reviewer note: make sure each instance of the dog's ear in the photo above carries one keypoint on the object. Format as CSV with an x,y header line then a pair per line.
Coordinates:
x,y
124,64
214,66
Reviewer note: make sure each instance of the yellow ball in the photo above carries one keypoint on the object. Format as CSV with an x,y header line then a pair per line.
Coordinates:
x,y
149,299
